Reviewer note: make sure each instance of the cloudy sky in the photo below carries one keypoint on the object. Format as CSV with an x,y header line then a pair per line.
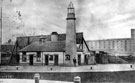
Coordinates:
x,y
97,19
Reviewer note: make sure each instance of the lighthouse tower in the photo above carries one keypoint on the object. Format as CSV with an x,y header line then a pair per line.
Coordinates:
x,y
71,48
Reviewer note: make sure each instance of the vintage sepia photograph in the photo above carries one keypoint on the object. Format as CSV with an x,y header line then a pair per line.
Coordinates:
x,y
67,41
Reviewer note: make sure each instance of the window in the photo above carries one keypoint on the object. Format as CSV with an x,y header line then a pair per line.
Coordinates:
x,y
51,57
38,56
24,57
67,57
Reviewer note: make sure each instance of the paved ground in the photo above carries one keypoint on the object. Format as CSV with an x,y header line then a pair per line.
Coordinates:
x,y
29,81
90,68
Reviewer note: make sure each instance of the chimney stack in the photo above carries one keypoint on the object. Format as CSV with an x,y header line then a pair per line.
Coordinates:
x,y
133,39
54,36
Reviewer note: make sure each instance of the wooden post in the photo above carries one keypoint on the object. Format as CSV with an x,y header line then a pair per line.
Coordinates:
x,y
37,77
77,79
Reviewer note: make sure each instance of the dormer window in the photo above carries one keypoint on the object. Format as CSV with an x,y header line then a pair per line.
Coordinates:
x,y
41,39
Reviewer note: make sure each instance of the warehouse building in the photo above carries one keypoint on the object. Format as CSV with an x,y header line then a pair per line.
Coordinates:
x,y
116,47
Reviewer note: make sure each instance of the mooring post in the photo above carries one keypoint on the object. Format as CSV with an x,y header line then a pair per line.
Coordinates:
x,y
130,66
37,77
77,79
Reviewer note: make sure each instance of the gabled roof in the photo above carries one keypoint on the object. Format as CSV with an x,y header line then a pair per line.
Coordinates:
x,y
47,46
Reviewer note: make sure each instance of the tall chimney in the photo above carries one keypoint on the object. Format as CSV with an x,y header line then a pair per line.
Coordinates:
x,y
71,47
133,39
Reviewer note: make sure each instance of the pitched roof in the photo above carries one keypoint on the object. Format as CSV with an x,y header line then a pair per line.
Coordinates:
x,y
9,42
6,48
26,40
47,46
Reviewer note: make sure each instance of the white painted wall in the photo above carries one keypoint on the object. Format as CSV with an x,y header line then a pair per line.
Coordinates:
x,y
60,57
123,54
28,56
82,56
21,58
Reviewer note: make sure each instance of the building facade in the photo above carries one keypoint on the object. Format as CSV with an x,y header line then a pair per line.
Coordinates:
x,y
115,47
47,53
55,49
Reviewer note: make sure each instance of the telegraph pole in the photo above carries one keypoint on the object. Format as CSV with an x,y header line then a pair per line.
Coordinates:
x,y
1,33
1,29
1,22
1,25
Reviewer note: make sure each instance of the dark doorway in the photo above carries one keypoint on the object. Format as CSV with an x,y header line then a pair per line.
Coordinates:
x,y
56,59
98,58
31,60
86,59
17,59
46,59
79,59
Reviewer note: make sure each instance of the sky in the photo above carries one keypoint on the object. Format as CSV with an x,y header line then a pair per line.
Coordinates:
x,y
97,19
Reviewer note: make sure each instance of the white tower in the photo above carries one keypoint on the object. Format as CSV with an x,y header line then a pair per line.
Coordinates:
x,y
71,48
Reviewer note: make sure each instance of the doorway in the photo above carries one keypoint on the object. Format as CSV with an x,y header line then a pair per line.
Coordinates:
x,y
46,59
86,59
31,59
79,59
56,59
